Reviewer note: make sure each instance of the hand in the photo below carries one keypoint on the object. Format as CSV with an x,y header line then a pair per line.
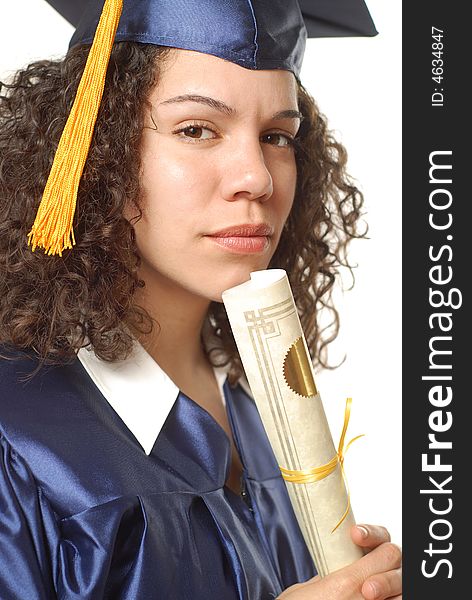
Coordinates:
x,y
375,576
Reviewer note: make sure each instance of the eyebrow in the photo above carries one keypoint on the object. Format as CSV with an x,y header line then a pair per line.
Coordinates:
x,y
228,110
288,114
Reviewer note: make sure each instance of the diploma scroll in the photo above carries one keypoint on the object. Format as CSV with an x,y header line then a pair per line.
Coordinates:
x,y
273,350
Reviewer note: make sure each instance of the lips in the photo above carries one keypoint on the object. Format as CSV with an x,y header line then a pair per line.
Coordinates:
x,y
246,230
244,239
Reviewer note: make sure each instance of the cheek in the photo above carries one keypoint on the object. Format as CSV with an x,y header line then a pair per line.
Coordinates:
x,y
174,181
163,174
285,182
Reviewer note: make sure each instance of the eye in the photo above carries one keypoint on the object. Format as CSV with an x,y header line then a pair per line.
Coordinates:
x,y
196,132
280,140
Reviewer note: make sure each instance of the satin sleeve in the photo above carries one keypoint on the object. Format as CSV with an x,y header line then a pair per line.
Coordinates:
x,y
28,531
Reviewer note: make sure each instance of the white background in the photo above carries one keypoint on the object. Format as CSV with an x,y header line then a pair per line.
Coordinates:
x,y
357,83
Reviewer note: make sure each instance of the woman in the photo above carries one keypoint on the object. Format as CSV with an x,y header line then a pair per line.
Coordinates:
x,y
132,467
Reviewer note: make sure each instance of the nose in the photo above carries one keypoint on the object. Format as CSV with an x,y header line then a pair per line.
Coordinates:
x,y
245,173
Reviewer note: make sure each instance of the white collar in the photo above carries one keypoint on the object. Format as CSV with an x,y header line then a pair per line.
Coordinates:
x,y
138,390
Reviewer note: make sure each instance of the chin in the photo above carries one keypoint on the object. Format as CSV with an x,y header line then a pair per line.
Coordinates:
x,y
225,280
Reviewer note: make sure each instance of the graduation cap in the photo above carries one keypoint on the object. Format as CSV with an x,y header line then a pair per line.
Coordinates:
x,y
256,34
323,18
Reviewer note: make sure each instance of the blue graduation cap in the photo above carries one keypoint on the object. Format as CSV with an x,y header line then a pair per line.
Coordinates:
x,y
277,27
256,34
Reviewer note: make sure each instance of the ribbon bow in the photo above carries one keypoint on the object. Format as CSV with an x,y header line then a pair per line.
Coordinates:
x,y
318,473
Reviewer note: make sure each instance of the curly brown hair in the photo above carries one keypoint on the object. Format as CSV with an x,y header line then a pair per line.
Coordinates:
x,y
56,305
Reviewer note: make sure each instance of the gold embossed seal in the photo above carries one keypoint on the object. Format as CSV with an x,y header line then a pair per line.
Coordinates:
x,y
298,373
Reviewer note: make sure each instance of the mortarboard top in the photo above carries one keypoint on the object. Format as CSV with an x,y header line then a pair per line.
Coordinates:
x,y
256,34
323,18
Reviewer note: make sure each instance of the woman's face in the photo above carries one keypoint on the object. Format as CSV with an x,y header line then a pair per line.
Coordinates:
x,y
218,172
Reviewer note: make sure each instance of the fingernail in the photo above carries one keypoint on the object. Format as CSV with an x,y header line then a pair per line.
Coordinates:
x,y
364,531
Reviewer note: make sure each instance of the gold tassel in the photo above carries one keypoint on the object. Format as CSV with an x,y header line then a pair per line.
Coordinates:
x,y
52,228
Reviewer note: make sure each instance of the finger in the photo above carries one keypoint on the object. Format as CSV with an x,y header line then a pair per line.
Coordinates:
x,y
384,558
297,586
383,586
369,536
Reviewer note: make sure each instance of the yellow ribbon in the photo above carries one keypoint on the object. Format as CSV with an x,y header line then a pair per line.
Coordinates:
x,y
318,473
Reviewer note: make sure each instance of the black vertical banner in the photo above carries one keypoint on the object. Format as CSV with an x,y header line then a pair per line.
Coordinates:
x,y
436,263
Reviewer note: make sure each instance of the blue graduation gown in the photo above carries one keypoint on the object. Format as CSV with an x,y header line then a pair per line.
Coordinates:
x,y
86,514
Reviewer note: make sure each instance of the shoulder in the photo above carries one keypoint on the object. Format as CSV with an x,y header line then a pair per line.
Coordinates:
x,y
53,418
21,373
30,393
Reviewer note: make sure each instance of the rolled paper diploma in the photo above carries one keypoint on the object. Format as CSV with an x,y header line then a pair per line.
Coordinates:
x,y
275,357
